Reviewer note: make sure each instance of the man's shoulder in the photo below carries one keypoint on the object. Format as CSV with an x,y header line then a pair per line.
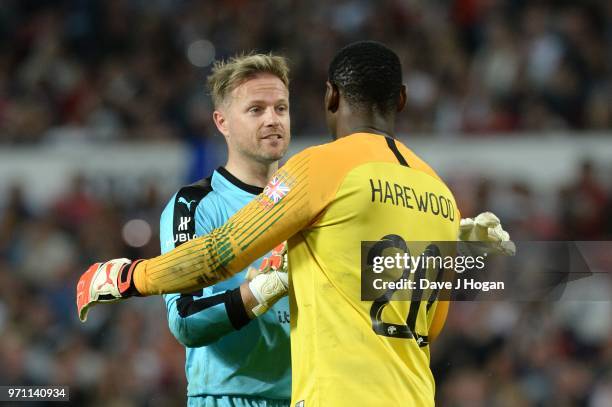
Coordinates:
x,y
191,205
311,153
333,159
188,199
343,145
195,191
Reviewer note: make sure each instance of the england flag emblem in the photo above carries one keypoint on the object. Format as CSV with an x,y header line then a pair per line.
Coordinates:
x,y
276,190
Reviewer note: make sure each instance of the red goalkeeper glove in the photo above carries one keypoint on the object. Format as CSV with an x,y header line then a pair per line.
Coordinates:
x,y
105,282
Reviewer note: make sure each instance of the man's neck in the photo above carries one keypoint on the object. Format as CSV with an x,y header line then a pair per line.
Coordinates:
x,y
251,172
350,122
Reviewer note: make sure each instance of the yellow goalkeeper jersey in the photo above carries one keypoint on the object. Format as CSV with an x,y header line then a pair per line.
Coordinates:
x,y
326,201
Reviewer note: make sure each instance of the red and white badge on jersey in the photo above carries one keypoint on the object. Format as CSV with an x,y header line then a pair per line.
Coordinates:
x,y
276,190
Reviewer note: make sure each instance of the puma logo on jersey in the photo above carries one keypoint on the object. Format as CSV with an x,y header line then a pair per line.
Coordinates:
x,y
186,203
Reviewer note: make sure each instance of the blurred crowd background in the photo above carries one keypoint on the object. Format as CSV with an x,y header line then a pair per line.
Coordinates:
x,y
134,69
120,70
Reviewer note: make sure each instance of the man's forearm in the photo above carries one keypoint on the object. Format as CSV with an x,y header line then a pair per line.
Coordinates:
x,y
198,263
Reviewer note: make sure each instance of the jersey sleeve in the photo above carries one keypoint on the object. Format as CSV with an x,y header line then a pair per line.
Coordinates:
x,y
293,199
201,317
438,320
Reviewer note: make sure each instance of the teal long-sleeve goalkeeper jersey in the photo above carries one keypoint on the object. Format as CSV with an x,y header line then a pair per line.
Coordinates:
x,y
226,353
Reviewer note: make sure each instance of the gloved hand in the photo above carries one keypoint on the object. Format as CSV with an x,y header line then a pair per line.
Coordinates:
x,y
104,282
270,282
486,228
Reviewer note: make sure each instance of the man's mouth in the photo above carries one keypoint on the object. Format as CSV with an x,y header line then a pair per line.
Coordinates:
x,y
273,136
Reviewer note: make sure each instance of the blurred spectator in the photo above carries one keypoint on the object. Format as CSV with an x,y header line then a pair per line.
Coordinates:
x,y
76,206
583,204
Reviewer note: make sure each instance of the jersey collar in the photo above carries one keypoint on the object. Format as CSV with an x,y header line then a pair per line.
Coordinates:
x,y
251,189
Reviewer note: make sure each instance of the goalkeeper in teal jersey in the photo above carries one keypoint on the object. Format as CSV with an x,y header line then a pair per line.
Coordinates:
x,y
237,350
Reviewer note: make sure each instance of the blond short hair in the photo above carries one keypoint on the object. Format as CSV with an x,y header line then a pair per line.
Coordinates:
x,y
228,75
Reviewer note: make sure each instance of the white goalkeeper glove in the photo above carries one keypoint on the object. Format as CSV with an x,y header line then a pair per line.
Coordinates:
x,y
271,281
486,228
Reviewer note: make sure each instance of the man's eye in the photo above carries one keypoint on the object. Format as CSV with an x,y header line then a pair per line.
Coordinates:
x,y
282,108
254,109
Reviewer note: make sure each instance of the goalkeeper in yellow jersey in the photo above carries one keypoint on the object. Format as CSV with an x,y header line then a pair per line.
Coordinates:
x,y
325,201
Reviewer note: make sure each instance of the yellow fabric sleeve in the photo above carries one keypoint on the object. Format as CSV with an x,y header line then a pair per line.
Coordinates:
x,y
294,197
439,320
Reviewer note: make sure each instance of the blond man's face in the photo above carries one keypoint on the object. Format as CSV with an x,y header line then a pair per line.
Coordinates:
x,y
255,119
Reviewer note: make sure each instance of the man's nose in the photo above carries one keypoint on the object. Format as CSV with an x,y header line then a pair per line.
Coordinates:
x,y
271,117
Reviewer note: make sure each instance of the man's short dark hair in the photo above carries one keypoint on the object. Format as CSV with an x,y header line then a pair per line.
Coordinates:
x,y
369,76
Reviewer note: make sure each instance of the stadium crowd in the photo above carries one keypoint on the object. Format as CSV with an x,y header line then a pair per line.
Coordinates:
x,y
130,69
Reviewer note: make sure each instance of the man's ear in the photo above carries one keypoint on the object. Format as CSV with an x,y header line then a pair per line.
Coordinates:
x,y
221,122
401,103
332,97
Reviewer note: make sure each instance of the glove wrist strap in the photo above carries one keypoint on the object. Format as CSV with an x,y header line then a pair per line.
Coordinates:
x,y
125,280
